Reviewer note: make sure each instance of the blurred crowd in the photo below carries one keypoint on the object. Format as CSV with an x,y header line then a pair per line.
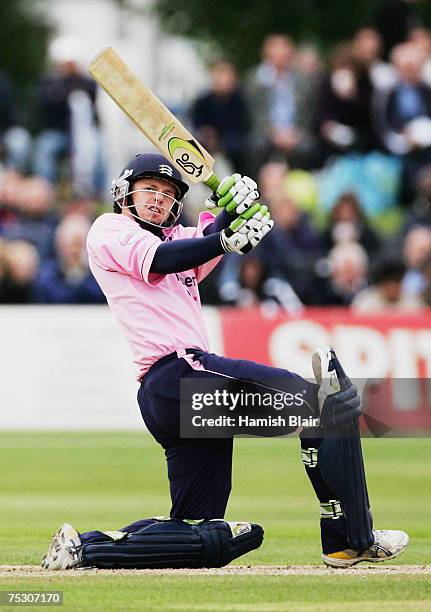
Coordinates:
x,y
340,145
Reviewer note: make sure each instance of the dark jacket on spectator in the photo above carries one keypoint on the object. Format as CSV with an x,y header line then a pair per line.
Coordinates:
x,y
227,116
291,254
355,112
366,237
53,99
51,287
13,293
323,292
7,104
39,231
392,116
393,19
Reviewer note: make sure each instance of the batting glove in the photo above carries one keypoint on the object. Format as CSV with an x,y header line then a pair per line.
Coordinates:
x,y
235,193
247,230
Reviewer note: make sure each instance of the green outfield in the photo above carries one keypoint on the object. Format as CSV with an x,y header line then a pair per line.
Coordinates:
x,y
107,480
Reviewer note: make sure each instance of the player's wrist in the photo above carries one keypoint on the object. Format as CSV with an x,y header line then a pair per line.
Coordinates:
x,y
243,234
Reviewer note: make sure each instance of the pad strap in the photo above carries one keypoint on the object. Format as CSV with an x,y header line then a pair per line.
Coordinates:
x,y
115,535
331,509
309,457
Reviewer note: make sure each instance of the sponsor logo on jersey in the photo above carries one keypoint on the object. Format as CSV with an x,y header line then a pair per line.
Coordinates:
x,y
188,281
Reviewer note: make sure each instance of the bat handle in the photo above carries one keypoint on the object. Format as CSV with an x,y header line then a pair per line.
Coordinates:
x,y
212,182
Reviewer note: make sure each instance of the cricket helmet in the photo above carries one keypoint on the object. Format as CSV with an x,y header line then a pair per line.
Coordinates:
x,y
147,165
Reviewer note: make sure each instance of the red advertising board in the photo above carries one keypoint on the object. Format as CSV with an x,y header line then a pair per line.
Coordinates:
x,y
389,347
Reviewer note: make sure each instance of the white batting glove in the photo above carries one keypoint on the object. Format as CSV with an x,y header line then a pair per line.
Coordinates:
x,y
235,193
247,230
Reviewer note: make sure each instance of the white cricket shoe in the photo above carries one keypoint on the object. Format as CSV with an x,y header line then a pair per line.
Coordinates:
x,y
63,552
388,544
322,362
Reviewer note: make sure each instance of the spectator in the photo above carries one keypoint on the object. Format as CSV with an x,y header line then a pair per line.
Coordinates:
x,y
3,268
420,212
344,106
69,123
223,284
393,19
403,115
347,222
33,218
257,284
10,187
309,66
426,271
14,138
86,207
386,292
220,115
271,179
421,38
21,265
416,249
278,101
293,246
340,278
308,62
67,279
366,52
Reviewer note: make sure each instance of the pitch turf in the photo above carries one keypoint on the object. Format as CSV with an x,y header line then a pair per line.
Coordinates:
x,y
107,480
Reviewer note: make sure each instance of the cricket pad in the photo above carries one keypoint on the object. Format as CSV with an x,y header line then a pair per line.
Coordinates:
x,y
175,544
341,465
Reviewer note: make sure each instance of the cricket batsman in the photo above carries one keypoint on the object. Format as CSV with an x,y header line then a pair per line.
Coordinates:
x,y
149,268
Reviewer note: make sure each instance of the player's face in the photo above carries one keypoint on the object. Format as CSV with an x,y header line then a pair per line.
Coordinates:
x,y
153,199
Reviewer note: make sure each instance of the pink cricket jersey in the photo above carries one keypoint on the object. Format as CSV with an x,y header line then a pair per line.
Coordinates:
x,y
159,314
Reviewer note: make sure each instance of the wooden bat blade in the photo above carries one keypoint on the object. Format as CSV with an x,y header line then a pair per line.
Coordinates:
x,y
152,117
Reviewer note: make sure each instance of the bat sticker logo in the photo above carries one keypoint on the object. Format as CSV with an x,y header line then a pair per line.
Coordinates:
x,y
186,154
188,166
166,131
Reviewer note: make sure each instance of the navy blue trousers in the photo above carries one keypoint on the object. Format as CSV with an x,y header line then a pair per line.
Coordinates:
x,y
199,470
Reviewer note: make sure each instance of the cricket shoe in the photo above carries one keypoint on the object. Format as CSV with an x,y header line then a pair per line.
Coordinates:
x,y
63,552
388,544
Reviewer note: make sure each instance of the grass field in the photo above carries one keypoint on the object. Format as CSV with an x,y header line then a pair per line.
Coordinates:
x,y
107,480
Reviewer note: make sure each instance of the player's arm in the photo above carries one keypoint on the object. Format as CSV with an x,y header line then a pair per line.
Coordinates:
x,y
186,254
242,235
222,221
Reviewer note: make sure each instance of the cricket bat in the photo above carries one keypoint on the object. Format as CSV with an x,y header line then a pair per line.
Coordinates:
x,y
152,117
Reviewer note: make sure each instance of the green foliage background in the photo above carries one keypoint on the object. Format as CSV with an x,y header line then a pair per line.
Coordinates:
x,y
23,41
238,27
233,28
